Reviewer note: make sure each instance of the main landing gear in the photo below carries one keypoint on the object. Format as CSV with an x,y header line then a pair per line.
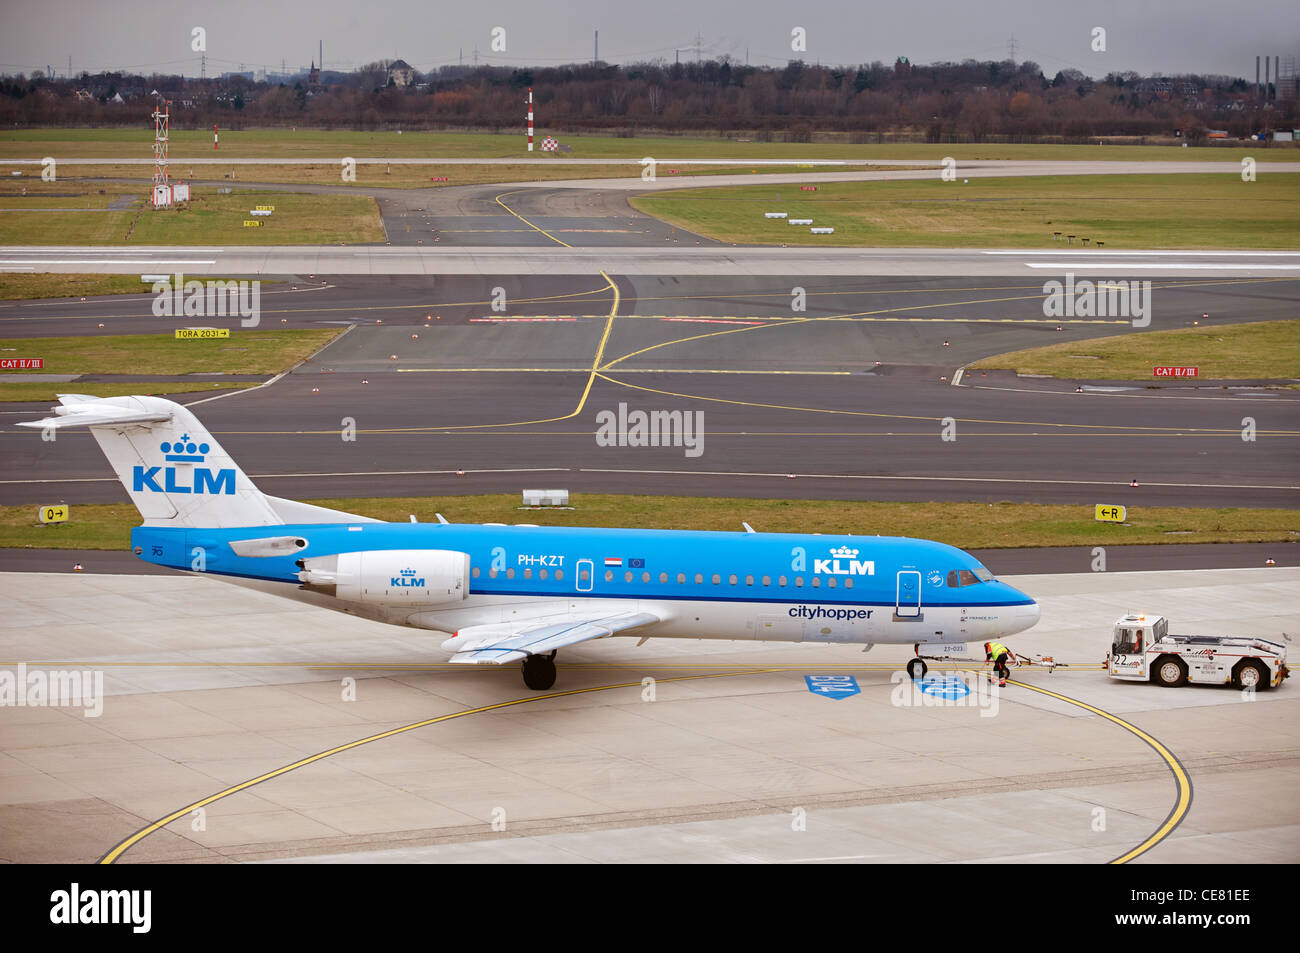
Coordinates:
x,y
539,671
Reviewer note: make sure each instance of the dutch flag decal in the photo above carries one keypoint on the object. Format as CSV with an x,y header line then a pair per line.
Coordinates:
x,y
613,561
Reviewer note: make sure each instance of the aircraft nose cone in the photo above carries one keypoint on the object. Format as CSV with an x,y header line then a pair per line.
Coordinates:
x,y
1029,615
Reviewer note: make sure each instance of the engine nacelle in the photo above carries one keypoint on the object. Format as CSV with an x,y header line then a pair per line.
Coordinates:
x,y
393,577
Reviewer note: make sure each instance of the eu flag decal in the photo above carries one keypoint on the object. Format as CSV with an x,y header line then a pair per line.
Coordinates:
x,y
832,686
636,564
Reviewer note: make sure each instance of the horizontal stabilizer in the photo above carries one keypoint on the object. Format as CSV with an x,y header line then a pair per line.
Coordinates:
x,y
88,414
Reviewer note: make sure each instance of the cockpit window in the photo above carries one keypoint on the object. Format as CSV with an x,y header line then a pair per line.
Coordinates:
x,y
963,577
983,575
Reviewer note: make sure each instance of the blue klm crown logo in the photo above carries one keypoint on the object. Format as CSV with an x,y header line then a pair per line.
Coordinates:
x,y
184,450
198,480
406,578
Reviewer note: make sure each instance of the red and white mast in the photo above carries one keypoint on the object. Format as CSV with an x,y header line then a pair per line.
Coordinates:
x,y
530,119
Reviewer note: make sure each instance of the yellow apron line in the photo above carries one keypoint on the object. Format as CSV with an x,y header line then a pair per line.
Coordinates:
x,y
859,314
1183,802
835,317
626,370
530,224
964,420
600,350
123,846
840,294
349,310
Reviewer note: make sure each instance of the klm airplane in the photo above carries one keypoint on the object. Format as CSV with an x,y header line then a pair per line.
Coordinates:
x,y
522,593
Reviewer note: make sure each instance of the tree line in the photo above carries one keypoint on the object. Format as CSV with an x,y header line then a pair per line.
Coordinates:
x,y
942,102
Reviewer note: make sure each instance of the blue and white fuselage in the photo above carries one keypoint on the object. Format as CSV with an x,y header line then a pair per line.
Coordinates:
x,y
521,593
772,586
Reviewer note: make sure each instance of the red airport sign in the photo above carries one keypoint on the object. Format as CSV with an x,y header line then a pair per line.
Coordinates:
x,y
21,363
1176,371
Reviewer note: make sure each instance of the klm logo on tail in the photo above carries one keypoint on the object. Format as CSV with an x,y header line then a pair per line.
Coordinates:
x,y
406,578
192,480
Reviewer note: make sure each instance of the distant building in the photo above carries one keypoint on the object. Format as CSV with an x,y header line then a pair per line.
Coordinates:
x,y
401,73
313,75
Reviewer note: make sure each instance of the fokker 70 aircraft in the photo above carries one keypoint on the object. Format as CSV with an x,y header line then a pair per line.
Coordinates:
x,y
521,593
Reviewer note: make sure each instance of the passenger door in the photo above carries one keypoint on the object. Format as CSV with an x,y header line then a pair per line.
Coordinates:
x,y
907,604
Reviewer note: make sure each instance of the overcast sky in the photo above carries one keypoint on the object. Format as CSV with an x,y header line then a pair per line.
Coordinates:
x,y
1149,36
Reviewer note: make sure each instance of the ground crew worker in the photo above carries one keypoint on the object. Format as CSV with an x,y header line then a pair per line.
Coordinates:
x,y
999,655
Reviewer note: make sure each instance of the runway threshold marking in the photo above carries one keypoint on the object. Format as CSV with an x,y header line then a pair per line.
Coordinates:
x,y
1183,801
526,222
124,845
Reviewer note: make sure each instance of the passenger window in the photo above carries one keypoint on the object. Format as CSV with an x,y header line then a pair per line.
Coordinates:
x,y
816,582
848,583
492,573
528,574
798,581
541,574
475,572
731,580
681,577
699,578
584,575
559,574
645,577
781,581
749,580
510,573
627,576
830,581
609,575
716,579
767,580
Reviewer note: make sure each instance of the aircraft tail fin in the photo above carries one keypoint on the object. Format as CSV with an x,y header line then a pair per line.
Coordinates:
x,y
176,473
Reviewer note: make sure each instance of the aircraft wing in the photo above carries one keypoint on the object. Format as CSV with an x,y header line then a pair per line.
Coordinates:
x,y
498,644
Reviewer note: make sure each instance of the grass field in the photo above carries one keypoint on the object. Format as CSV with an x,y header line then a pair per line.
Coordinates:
x,y
32,392
315,143
21,287
1256,351
1124,211
211,218
244,352
967,525
15,286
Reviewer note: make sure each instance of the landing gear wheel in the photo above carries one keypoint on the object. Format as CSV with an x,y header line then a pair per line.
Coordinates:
x,y
1250,674
539,672
1170,671
916,668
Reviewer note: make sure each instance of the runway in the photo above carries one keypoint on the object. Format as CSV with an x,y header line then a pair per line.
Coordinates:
x,y
673,259
713,765
849,395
